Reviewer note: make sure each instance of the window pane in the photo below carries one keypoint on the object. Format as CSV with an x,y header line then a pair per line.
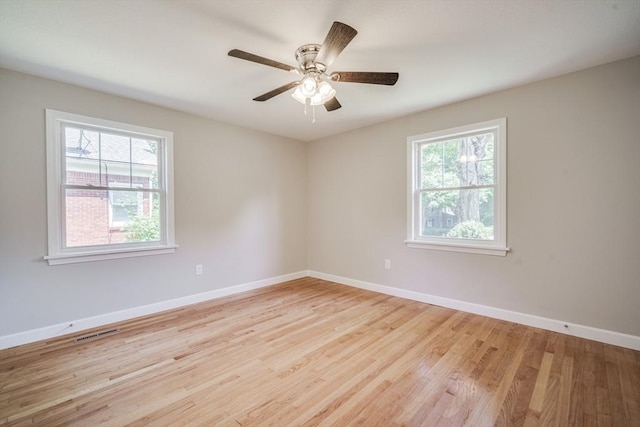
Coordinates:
x,y
144,151
116,174
124,207
144,168
475,172
484,172
104,217
114,147
488,148
439,164
431,164
436,208
465,214
476,160
81,157
451,153
81,171
115,159
87,218
486,208
143,221
459,162
81,143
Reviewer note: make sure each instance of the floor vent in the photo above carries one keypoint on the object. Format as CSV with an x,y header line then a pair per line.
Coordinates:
x,y
96,335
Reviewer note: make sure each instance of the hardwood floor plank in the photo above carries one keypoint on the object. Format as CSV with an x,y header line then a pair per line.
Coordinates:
x,y
564,392
312,353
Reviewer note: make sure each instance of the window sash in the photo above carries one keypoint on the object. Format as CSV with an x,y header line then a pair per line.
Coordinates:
x,y
100,160
421,143
63,207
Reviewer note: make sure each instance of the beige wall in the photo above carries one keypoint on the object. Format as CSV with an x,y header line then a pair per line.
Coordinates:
x,y
240,208
573,202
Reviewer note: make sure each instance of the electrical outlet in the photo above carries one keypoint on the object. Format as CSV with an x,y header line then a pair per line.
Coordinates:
x,y
198,269
387,264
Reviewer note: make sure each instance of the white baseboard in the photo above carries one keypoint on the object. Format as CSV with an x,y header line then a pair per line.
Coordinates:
x,y
588,332
78,325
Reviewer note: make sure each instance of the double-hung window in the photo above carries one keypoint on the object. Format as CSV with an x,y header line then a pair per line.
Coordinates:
x,y
456,198
109,189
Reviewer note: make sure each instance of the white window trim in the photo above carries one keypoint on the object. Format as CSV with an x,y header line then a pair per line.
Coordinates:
x,y
498,246
57,253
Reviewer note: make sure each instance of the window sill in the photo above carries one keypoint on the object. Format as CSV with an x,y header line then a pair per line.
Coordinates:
x,y
457,247
108,254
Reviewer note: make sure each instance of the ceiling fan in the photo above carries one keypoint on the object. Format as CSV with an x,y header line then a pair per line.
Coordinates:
x,y
313,60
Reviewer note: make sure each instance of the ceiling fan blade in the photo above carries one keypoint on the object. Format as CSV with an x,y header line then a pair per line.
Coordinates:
x,y
332,104
276,91
236,53
339,36
365,77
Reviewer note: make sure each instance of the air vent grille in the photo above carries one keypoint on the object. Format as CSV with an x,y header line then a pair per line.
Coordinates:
x,y
95,335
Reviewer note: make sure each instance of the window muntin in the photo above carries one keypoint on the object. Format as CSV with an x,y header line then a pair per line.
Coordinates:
x,y
457,188
109,188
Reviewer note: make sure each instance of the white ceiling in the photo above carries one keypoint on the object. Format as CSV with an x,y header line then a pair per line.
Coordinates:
x,y
174,53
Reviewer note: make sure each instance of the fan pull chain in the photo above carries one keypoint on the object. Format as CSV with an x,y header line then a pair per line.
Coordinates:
x,y
313,108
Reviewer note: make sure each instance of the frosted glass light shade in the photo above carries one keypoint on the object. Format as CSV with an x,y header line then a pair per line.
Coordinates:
x,y
298,96
317,99
326,91
308,86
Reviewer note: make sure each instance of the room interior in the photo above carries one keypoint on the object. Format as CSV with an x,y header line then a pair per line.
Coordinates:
x,y
275,207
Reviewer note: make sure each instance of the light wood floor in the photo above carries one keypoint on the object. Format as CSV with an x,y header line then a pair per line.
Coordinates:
x,y
307,353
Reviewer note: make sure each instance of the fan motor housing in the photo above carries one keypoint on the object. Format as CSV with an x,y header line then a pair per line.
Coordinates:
x,y
306,57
